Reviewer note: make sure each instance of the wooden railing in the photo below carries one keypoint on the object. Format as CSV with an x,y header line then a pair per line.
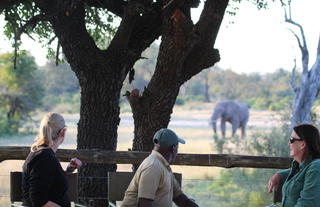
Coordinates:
x,y
133,157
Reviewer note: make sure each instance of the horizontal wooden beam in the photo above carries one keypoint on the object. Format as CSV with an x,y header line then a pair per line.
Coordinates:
x,y
134,157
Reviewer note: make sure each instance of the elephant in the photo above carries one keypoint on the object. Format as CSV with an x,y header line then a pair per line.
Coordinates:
x,y
236,113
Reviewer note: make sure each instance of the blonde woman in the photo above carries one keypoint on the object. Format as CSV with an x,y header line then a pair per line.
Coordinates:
x,y
44,181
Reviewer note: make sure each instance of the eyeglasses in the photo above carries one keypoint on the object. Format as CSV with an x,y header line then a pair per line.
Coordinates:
x,y
292,140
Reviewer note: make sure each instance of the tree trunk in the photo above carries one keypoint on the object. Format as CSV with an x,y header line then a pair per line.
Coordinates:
x,y
97,129
185,50
309,88
100,75
306,94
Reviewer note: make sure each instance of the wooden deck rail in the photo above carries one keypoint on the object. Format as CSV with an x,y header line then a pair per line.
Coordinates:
x,y
133,157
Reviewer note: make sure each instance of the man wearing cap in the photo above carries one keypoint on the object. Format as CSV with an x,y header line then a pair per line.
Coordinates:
x,y
154,184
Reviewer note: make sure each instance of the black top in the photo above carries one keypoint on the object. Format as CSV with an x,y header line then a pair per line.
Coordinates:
x,y
44,180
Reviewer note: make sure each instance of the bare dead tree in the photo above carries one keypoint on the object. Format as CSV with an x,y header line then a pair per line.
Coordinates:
x,y
307,92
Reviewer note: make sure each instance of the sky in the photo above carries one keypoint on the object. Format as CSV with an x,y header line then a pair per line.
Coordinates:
x,y
252,41
259,41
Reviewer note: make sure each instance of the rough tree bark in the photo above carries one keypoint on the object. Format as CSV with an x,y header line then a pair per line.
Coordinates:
x,y
185,50
307,92
100,72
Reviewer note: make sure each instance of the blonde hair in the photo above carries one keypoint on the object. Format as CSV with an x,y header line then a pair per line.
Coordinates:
x,y
50,128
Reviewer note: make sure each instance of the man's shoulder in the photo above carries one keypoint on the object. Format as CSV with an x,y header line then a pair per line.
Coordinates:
x,y
151,161
151,165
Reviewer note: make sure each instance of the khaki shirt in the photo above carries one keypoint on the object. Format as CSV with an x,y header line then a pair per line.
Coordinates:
x,y
153,180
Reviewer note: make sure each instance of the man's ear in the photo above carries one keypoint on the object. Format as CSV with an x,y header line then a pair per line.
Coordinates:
x,y
63,132
174,147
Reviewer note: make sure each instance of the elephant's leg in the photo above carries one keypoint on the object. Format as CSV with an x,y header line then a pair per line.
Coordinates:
x,y
235,126
223,128
243,131
243,127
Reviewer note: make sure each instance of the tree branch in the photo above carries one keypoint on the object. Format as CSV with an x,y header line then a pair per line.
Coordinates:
x,y
303,46
57,53
145,30
121,39
297,38
114,6
32,23
318,49
210,20
315,69
7,4
16,38
18,31
293,77
207,29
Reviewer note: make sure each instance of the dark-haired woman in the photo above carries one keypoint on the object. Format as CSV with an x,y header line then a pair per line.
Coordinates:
x,y
301,183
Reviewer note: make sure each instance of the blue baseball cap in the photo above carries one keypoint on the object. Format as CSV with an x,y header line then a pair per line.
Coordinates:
x,y
167,138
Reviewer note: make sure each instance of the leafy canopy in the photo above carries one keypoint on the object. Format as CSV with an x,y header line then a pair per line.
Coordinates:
x,y
20,90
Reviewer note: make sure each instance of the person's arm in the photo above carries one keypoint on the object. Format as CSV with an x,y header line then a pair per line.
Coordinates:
x,y
144,202
51,204
183,200
309,196
75,163
148,185
277,179
179,198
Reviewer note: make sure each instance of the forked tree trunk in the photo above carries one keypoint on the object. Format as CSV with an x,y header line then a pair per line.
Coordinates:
x,y
307,92
185,50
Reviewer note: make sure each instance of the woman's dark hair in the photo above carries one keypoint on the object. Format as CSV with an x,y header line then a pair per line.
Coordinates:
x,y
310,134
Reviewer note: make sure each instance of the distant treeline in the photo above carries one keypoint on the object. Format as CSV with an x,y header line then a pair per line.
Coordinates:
x,y
30,88
27,89
270,91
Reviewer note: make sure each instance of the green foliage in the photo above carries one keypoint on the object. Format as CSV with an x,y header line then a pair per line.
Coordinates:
x,y
269,91
273,142
100,25
233,187
20,91
18,15
62,103
247,187
59,79
260,91
179,101
62,90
